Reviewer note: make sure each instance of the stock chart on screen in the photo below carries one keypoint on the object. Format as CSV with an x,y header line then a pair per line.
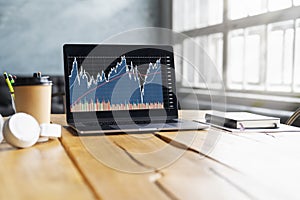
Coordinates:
x,y
107,83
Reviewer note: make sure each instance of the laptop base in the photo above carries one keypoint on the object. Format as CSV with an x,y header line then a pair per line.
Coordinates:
x,y
180,125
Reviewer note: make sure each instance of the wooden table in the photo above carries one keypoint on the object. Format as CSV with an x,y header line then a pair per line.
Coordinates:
x,y
208,164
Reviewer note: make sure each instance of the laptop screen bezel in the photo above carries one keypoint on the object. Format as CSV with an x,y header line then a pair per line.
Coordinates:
x,y
84,49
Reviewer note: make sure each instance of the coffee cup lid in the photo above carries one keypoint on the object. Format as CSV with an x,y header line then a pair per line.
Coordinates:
x,y
35,80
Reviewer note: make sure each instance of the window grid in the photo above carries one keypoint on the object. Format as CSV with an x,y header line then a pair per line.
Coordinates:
x,y
257,29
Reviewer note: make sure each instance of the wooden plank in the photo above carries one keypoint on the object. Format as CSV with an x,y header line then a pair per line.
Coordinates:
x,y
158,170
195,177
249,167
43,171
272,160
274,164
105,169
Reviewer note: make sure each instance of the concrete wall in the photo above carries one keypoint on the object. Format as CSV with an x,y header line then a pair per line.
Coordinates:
x,y
32,32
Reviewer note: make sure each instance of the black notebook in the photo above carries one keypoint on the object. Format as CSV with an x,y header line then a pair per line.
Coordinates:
x,y
242,120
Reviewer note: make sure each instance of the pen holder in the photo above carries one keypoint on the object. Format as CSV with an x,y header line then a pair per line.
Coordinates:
x,y
33,96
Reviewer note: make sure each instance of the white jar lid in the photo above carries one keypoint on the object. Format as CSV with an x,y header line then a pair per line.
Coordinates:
x,y
1,128
21,130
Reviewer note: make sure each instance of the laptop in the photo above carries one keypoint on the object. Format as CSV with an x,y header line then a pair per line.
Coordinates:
x,y
121,88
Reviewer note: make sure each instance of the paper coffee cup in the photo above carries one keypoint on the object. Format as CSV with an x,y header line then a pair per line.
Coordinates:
x,y
33,96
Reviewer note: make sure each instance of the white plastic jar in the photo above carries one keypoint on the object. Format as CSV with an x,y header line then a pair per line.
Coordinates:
x,y
21,130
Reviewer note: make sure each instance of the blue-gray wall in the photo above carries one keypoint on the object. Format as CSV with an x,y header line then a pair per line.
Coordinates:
x,y
32,32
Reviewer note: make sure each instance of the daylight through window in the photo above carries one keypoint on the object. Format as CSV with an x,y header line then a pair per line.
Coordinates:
x,y
255,44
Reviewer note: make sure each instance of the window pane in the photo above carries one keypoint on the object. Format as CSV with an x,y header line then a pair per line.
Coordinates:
x,y
280,55
236,56
279,4
254,64
215,12
189,15
237,9
275,45
245,67
252,57
215,50
288,56
193,14
210,58
297,57
256,7
178,20
296,2
242,8
188,63
201,8
201,71
178,61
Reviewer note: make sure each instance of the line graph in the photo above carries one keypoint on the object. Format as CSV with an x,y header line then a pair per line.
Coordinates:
x,y
128,83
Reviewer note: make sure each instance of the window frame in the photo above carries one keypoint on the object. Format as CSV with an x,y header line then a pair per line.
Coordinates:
x,y
263,19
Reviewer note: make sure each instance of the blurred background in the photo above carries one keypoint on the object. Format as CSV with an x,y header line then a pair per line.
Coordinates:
x,y
33,32
255,44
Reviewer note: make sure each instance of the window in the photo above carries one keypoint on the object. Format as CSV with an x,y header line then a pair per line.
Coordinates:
x,y
255,44
196,14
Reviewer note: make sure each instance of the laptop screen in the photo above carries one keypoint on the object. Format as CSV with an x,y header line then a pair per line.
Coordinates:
x,y
119,78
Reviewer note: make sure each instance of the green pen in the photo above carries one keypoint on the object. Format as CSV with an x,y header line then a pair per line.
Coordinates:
x,y
11,89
